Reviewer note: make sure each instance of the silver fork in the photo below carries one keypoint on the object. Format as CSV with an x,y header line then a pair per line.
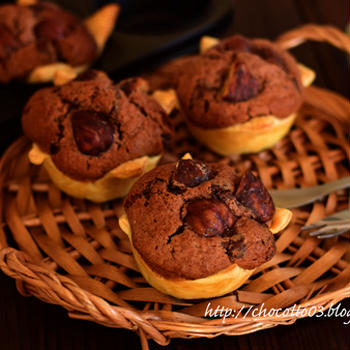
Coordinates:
x,y
330,226
297,197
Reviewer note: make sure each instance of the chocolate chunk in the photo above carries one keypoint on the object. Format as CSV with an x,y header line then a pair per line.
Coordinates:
x,y
234,246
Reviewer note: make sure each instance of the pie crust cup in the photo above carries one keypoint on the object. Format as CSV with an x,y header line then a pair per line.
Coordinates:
x,y
115,184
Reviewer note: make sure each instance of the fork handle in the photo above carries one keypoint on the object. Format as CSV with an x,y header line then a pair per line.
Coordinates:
x,y
314,193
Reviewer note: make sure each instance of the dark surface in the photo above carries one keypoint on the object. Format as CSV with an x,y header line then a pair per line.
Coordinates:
x,y
26,323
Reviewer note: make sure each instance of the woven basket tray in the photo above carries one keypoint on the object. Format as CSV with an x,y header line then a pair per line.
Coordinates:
x,y
72,253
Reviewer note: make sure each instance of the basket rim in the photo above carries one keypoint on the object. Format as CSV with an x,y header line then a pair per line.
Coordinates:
x,y
21,257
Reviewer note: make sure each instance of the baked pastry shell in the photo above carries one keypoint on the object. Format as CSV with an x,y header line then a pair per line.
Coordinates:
x,y
218,284
249,137
115,184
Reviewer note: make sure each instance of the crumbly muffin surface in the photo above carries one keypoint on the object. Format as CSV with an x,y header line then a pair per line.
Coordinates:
x,y
89,126
191,220
233,82
237,80
35,35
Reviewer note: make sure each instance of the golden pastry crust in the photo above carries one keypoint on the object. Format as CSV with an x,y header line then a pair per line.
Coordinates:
x,y
115,184
249,137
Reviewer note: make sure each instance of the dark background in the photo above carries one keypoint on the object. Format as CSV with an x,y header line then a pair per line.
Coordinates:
x,y
26,323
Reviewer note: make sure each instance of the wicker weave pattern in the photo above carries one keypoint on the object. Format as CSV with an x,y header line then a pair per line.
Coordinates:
x,y
72,253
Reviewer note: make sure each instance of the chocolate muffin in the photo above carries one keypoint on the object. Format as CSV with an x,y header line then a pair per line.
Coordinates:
x,y
89,127
237,80
39,34
190,220
239,95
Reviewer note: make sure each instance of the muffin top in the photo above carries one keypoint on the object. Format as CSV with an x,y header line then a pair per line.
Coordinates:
x,y
35,35
237,80
89,125
191,219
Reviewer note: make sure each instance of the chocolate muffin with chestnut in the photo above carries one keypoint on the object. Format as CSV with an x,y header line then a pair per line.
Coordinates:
x,y
239,95
39,38
93,137
199,230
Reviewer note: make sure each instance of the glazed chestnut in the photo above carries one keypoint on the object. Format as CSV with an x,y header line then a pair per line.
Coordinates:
x,y
191,172
92,132
51,29
209,217
240,84
237,43
242,44
8,41
252,194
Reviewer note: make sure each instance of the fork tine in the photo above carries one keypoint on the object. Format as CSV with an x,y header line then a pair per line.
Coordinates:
x,y
318,224
324,222
343,214
331,229
339,217
334,234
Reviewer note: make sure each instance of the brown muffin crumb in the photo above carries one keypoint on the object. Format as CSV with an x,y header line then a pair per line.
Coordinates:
x,y
195,229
